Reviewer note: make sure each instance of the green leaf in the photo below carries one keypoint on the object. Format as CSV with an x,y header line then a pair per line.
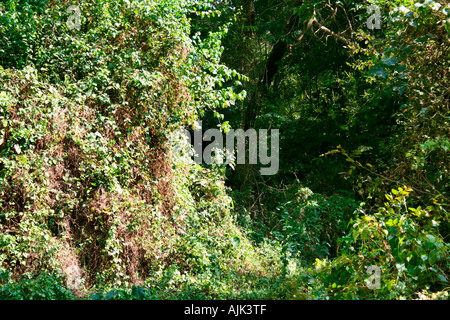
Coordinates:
x,y
378,71
111,294
96,296
413,23
442,278
235,241
400,267
17,148
137,292
390,61
426,3
436,6
22,159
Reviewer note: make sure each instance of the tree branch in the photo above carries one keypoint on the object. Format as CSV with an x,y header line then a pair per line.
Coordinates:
x,y
314,22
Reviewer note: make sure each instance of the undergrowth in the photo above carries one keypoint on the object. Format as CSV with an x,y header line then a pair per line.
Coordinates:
x,y
99,199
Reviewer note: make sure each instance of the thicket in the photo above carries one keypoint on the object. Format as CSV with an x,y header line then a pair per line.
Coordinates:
x,y
91,195
363,119
99,199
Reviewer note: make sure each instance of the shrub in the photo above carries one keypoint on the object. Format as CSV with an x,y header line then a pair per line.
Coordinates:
x,y
402,241
311,224
31,287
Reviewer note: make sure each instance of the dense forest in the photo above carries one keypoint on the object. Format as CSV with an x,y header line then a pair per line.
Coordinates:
x,y
102,198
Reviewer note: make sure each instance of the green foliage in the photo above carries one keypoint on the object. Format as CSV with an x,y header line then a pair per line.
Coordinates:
x,y
89,186
403,241
99,200
310,225
29,287
384,97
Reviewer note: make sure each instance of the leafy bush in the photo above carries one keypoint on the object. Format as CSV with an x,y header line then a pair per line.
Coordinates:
x,y
30,287
310,224
86,115
402,241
